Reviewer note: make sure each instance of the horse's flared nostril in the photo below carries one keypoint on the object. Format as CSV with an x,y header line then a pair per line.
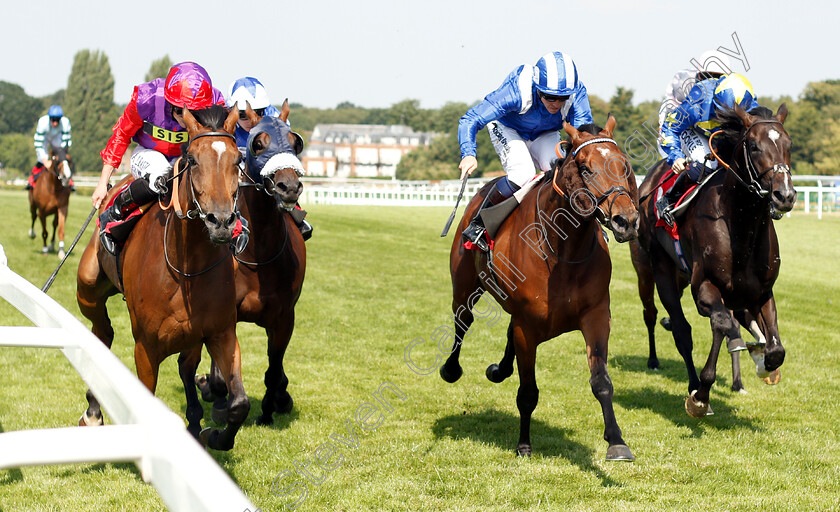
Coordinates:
x,y
211,219
620,222
231,220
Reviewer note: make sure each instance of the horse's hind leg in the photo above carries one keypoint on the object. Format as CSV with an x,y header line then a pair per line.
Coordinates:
x,y
277,397
644,274
34,211
213,389
595,326
224,349
44,235
187,365
499,372
466,291
54,229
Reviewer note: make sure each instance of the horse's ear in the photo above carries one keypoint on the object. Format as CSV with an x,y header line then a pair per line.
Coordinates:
x,y
746,118
572,131
189,120
284,110
253,117
296,141
782,113
610,126
230,122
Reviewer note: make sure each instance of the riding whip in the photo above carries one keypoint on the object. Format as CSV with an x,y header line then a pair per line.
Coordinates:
x,y
452,215
67,254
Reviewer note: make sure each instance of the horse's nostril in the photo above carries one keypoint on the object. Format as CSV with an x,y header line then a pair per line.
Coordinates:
x,y
231,220
299,187
282,186
620,221
212,219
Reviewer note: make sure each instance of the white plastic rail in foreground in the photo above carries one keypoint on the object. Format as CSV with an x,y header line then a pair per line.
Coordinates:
x,y
147,432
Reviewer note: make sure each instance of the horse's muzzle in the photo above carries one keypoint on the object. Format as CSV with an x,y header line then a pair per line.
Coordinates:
x,y
220,227
625,227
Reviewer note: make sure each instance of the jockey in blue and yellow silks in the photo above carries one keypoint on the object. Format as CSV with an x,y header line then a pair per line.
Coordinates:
x,y
686,131
525,117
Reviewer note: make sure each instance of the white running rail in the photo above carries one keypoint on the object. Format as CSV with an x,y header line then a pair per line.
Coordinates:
x,y
146,432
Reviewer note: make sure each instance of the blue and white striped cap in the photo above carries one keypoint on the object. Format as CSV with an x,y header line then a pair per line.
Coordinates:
x,y
556,74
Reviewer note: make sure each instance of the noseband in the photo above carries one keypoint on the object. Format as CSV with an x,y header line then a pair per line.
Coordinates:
x,y
754,186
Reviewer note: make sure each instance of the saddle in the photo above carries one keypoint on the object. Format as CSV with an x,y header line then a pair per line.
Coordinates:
x,y
494,216
669,236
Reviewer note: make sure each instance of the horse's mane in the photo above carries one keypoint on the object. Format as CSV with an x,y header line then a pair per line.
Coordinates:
x,y
732,127
212,117
591,128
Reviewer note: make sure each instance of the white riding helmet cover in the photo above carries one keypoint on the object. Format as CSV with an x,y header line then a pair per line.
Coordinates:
x,y
247,89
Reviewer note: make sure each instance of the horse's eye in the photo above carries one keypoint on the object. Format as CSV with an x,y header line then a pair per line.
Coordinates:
x,y
754,147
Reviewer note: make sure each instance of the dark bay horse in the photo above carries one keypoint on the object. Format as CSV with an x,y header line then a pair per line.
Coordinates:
x,y
271,269
550,269
176,272
730,244
51,196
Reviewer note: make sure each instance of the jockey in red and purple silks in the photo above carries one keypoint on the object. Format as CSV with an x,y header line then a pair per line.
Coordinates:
x,y
153,119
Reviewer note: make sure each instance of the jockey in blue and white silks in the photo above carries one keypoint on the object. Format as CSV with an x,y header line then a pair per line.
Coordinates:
x,y
244,91
525,117
53,130
685,133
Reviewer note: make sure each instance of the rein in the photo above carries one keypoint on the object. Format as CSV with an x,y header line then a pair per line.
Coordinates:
x,y
753,186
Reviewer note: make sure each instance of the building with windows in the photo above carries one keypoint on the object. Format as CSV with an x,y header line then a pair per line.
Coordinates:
x,y
360,150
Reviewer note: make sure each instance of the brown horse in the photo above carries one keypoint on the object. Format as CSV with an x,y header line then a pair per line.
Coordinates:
x,y
176,272
550,269
271,268
730,245
51,196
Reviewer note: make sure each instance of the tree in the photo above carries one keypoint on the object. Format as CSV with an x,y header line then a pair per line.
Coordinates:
x,y
90,107
16,153
18,111
159,68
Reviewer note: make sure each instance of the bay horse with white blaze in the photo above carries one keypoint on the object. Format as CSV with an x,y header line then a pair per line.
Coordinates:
x,y
730,246
559,282
271,269
176,271
51,196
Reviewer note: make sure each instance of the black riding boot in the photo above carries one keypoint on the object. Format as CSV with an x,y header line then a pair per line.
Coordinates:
x,y
666,203
475,231
135,195
299,216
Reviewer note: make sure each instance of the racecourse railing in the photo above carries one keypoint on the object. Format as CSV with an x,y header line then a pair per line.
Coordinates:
x,y
145,432
825,195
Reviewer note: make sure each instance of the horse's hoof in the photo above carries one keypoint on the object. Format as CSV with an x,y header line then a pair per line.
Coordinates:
x,y
666,323
695,408
265,419
90,421
220,416
774,377
205,435
523,450
653,364
620,452
453,376
743,391
494,374
735,345
31,233
284,404
61,254
204,388
44,250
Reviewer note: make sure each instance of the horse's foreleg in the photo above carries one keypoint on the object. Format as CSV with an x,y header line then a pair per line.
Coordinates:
x,y
709,304
774,352
187,365
146,362
451,370
34,211
224,349
277,398
595,326
644,274
44,235
62,218
499,372
54,230
528,394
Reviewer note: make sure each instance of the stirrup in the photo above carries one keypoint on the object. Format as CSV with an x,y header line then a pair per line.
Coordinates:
x,y
475,235
305,230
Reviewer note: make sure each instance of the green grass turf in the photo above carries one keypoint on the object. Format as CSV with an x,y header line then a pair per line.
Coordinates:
x,y
377,280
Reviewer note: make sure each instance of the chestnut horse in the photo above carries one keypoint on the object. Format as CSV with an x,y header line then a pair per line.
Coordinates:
x,y
176,272
555,282
730,245
51,196
271,268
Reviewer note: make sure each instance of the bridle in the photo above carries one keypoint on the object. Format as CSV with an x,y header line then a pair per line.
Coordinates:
x,y
196,212
612,193
754,186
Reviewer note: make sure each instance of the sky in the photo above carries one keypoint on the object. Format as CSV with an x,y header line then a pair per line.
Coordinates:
x,y
374,53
